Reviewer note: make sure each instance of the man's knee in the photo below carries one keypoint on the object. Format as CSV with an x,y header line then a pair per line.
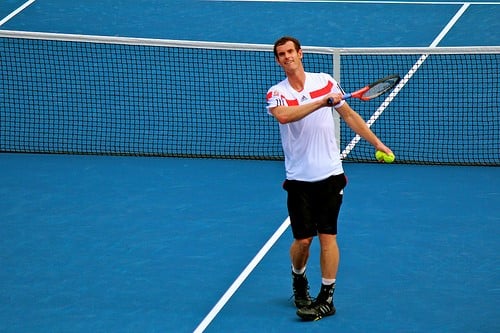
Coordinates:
x,y
304,243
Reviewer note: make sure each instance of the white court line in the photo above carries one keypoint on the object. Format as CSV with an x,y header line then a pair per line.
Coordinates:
x,y
405,79
17,11
385,2
450,24
242,277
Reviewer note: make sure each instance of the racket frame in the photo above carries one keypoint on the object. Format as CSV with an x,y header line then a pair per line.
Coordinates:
x,y
360,94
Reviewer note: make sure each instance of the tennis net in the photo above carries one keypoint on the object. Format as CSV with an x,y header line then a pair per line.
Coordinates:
x,y
77,94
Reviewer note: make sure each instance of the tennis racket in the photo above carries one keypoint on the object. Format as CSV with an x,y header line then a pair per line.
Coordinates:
x,y
372,90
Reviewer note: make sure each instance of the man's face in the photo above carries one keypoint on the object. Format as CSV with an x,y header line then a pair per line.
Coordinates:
x,y
288,57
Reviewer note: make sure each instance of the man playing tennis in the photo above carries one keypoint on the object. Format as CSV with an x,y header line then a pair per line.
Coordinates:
x,y
314,174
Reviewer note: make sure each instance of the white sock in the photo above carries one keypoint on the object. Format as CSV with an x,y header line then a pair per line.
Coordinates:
x,y
328,282
299,271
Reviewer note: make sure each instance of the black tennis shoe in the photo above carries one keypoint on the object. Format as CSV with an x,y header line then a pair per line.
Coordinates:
x,y
321,307
301,290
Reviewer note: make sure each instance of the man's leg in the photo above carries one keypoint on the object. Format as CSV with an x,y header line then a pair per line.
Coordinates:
x,y
329,256
299,254
329,261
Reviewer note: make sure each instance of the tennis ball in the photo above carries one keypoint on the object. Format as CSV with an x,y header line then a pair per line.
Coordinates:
x,y
389,158
383,157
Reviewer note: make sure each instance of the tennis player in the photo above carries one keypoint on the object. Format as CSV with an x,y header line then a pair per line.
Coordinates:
x,y
314,174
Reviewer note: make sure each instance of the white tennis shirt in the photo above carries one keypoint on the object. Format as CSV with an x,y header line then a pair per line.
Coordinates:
x,y
309,144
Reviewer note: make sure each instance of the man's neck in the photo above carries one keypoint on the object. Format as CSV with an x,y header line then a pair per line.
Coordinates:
x,y
297,80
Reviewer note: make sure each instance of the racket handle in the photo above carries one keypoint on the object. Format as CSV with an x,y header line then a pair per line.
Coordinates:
x,y
330,100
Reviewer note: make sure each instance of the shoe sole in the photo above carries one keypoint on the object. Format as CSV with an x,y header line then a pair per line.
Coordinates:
x,y
309,317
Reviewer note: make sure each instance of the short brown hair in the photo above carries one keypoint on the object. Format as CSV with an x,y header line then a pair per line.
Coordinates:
x,y
284,40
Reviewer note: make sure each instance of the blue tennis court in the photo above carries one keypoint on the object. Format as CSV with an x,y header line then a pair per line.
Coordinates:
x,y
150,244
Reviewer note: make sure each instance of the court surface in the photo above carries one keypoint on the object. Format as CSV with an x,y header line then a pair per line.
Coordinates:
x,y
127,244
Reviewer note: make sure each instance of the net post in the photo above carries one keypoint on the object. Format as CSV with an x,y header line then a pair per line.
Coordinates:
x,y
336,76
336,64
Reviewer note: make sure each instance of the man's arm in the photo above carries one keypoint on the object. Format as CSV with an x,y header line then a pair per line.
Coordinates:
x,y
358,125
288,114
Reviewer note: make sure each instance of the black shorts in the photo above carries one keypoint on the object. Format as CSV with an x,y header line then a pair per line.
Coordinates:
x,y
314,207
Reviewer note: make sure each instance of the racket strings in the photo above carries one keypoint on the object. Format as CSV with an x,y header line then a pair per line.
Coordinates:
x,y
381,87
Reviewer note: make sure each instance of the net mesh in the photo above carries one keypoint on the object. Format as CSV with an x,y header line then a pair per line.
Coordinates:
x,y
95,95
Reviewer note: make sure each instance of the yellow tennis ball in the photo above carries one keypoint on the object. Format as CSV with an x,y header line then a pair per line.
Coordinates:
x,y
389,158
383,157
